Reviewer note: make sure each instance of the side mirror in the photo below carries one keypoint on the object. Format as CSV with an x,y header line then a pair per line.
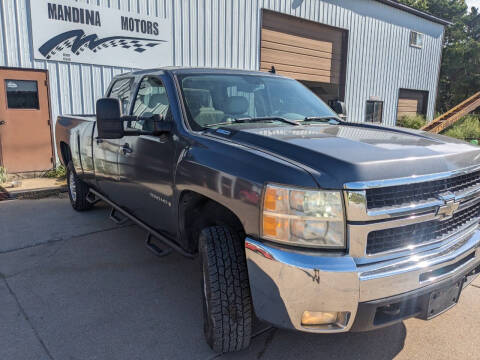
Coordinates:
x,y
109,119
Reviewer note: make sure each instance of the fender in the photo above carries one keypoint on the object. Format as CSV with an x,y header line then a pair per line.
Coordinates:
x,y
234,176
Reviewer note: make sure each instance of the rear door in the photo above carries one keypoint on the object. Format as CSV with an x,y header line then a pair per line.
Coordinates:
x,y
25,132
146,162
106,151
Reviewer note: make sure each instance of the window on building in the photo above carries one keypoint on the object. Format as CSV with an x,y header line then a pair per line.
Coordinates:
x,y
416,39
121,91
22,94
374,112
151,100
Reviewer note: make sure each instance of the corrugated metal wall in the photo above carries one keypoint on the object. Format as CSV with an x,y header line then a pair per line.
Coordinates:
x,y
226,33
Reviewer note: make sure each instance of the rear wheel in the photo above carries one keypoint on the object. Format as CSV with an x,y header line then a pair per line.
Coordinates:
x,y
77,190
227,304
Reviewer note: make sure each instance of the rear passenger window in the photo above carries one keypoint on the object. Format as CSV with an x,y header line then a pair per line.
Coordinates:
x,y
151,100
121,91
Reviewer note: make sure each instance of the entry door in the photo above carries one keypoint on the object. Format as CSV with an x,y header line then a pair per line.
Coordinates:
x,y
146,162
25,134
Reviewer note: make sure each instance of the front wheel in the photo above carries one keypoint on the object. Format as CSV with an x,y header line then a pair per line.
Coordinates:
x,y
77,190
227,303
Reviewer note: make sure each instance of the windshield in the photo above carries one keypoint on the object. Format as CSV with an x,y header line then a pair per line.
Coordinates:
x,y
213,100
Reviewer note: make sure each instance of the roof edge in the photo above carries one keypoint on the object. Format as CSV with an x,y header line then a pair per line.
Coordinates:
x,y
416,12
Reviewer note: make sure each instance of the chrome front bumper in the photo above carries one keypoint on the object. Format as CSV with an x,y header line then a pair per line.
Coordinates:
x,y
285,283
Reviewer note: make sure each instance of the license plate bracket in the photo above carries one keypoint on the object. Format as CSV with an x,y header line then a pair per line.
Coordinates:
x,y
443,299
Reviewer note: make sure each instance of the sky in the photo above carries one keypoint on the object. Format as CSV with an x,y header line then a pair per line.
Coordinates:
x,y
475,3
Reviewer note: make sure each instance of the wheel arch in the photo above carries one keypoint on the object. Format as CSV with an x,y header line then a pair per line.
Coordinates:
x,y
65,153
197,211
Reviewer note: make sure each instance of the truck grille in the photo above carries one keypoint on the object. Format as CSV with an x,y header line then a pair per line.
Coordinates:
x,y
415,193
421,233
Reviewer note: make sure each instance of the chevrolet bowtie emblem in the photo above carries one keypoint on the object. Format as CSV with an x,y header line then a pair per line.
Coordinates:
x,y
449,207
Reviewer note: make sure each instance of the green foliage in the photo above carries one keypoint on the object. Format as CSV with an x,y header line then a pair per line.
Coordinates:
x,y
460,69
3,175
417,4
412,122
59,173
467,128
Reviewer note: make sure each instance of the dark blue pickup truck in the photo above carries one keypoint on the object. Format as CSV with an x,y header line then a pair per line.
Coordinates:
x,y
307,221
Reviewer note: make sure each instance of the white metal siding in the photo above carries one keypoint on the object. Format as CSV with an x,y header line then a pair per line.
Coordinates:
x,y
226,33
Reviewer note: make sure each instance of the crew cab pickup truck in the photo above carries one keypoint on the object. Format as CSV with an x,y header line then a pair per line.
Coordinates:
x,y
307,221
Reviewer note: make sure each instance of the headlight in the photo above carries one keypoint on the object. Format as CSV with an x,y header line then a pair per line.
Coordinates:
x,y
307,218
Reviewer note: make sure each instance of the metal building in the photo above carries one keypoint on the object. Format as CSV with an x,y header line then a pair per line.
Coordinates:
x,y
379,57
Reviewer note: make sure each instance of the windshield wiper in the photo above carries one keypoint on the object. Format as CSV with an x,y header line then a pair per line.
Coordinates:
x,y
253,120
267,118
329,118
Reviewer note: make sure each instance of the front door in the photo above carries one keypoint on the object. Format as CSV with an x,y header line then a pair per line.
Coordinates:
x,y
146,162
105,152
25,133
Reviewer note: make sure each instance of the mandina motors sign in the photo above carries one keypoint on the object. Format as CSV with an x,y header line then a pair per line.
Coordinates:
x,y
76,32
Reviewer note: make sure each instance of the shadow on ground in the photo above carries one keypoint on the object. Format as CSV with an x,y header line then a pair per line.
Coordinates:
x,y
106,296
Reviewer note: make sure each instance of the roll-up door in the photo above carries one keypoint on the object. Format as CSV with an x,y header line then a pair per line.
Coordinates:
x,y
301,49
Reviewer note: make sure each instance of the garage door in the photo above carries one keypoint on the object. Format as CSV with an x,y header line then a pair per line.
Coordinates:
x,y
412,102
301,49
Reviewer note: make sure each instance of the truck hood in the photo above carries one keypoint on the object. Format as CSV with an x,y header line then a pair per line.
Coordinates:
x,y
338,154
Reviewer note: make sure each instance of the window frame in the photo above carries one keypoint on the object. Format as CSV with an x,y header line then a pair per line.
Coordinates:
x,y
7,107
137,90
381,113
417,36
132,81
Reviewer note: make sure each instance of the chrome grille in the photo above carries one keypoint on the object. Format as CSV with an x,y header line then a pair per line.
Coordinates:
x,y
414,193
394,218
421,233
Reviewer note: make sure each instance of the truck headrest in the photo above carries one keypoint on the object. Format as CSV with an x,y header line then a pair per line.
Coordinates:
x,y
236,105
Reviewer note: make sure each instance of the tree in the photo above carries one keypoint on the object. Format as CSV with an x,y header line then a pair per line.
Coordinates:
x,y
460,70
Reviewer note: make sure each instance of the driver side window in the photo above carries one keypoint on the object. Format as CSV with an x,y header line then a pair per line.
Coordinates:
x,y
151,100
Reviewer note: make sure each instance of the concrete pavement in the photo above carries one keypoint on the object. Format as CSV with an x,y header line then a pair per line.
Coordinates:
x,y
76,286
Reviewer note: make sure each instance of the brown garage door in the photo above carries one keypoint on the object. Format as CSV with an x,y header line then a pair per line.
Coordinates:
x,y
412,102
301,49
25,135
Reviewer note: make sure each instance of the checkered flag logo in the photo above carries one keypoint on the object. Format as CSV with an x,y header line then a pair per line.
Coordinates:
x,y
77,42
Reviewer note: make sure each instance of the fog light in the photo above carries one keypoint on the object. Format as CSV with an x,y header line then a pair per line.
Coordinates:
x,y
312,318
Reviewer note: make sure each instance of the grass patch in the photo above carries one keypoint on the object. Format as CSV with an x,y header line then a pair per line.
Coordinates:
x,y
58,173
3,175
468,128
411,122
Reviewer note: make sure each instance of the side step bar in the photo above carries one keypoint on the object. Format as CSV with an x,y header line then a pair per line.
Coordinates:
x,y
151,232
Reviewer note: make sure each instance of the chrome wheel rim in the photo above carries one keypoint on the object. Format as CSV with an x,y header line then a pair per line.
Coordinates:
x,y
72,187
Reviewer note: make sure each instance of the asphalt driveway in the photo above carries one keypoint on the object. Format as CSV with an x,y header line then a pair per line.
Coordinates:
x,y
77,286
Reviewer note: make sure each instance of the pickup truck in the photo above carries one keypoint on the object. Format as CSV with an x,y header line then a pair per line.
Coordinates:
x,y
300,218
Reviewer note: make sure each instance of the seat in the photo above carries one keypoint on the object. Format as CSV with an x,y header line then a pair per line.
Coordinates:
x,y
200,104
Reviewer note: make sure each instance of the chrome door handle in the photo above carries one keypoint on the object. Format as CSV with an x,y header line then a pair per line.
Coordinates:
x,y
126,149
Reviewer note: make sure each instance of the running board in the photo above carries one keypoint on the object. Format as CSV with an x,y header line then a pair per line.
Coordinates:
x,y
117,220
151,232
154,248
92,199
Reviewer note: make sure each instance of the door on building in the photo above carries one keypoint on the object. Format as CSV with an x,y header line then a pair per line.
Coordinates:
x,y
412,102
310,52
25,132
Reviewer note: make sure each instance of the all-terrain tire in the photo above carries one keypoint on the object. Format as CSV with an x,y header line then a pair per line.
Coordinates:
x,y
77,190
227,302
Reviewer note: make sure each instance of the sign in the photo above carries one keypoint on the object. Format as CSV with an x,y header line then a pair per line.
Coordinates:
x,y
77,32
